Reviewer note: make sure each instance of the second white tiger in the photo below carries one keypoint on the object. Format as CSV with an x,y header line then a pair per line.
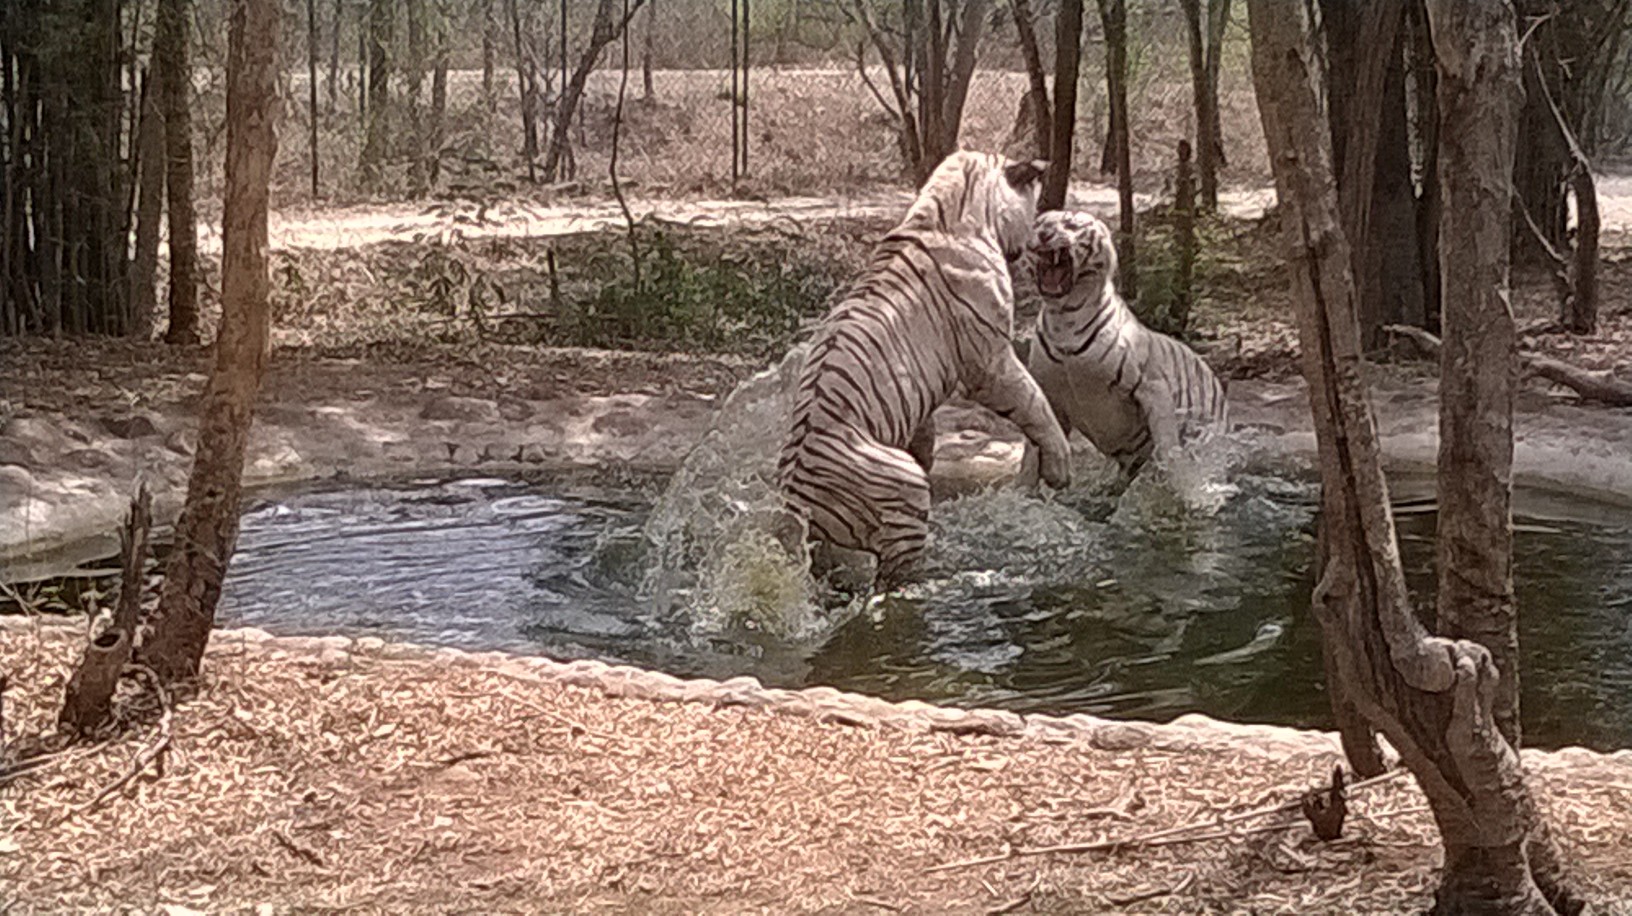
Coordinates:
x,y
1132,391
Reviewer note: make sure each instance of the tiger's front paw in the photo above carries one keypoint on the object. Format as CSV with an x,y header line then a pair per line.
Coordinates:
x,y
1056,469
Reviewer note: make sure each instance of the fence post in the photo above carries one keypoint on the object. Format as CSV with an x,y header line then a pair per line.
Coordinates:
x,y
1184,226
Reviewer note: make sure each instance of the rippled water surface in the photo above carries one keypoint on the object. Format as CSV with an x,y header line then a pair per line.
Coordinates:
x,y
1058,607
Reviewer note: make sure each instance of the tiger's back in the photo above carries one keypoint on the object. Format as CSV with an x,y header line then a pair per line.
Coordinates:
x,y
933,311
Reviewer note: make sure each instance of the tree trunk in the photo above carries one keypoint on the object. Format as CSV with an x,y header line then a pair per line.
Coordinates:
x,y
88,699
1426,100
1067,60
609,24
208,529
1218,19
171,64
439,99
1037,94
1431,696
527,88
414,95
489,50
331,86
1202,102
1114,14
646,51
1372,156
311,89
144,265
970,30
381,17
1581,308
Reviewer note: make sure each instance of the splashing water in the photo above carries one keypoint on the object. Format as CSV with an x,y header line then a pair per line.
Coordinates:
x,y
725,553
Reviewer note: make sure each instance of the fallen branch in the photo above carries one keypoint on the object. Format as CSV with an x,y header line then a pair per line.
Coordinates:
x,y
1018,902
143,759
1154,893
1169,836
1592,386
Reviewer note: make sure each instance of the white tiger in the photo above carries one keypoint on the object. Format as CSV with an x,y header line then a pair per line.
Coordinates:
x,y
1132,391
933,311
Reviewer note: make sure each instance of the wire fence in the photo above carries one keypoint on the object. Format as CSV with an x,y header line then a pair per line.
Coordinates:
x,y
771,98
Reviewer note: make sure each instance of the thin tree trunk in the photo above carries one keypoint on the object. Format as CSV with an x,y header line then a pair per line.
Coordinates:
x,y
439,98
150,210
171,63
1426,99
363,20
1042,117
311,88
646,51
417,54
1431,696
527,87
1067,58
1201,102
381,19
1114,14
607,27
332,85
208,530
1582,315
1218,19
971,29
489,53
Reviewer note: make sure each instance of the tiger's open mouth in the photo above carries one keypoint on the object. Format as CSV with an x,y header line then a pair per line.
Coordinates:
x,y
1056,273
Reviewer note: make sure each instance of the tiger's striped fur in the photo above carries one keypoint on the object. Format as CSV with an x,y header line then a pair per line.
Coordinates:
x,y
1132,391
933,311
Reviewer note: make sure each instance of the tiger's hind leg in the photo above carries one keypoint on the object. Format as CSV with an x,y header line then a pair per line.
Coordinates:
x,y
899,489
862,495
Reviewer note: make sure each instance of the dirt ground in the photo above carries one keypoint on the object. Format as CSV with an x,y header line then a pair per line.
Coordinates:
x,y
318,775
303,778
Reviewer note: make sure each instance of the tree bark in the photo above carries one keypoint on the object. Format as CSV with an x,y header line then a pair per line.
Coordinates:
x,y
646,89
1218,19
527,88
1581,309
489,49
381,19
1478,361
437,127
87,702
1426,100
331,86
1431,696
1372,155
1037,94
1114,14
1067,60
1204,64
171,64
608,25
144,264
208,529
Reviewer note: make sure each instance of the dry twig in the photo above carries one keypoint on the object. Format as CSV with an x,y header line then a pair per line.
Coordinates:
x,y
1171,836
1142,896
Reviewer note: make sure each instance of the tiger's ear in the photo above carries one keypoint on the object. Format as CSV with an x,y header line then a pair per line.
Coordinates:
x,y
1024,174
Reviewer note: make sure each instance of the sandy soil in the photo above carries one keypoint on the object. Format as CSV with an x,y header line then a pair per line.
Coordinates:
x,y
314,775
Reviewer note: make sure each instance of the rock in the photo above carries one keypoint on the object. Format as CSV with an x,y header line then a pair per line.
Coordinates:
x,y
457,408
133,426
515,410
16,453
181,442
15,483
89,459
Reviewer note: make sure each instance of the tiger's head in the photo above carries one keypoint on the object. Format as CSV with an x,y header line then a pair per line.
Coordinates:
x,y
983,194
1072,252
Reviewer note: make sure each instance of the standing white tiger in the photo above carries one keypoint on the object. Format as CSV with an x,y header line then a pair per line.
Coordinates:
x,y
933,311
1132,391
